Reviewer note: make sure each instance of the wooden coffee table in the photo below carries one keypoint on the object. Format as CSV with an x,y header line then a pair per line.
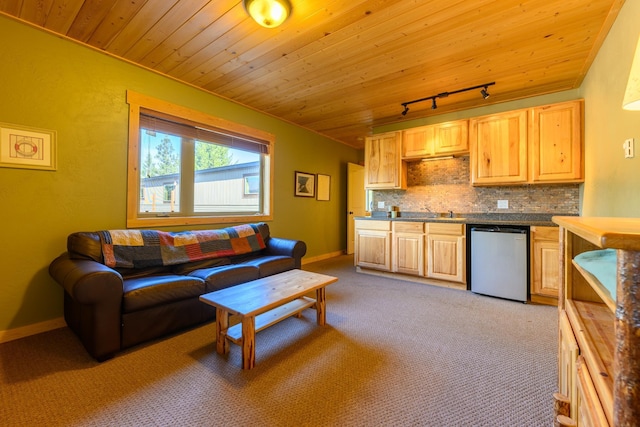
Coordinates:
x,y
262,303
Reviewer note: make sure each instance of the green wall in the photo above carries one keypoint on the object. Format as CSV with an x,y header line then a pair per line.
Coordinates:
x,y
51,83
612,183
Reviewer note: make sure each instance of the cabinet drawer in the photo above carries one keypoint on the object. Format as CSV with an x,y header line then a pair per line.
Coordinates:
x,y
366,224
590,411
450,229
546,233
407,227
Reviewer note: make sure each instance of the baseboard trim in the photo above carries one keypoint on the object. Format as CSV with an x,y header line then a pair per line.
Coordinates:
x,y
322,257
36,328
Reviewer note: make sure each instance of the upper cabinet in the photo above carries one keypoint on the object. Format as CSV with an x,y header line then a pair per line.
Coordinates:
x,y
499,148
435,140
555,143
452,137
540,145
537,145
383,167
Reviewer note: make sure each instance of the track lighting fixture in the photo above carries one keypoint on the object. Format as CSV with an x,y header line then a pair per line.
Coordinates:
x,y
268,13
484,92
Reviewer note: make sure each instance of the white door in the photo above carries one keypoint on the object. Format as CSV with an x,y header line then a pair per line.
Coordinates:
x,y
355,200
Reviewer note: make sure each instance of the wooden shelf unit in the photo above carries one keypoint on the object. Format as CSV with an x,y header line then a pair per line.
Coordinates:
x,y
604,387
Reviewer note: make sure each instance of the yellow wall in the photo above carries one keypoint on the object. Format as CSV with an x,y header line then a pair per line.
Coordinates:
x,y
48,82
612,183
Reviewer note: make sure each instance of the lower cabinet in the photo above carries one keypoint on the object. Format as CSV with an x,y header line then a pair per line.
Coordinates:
x,y
373,244
425,250
446,252
407,248
545,265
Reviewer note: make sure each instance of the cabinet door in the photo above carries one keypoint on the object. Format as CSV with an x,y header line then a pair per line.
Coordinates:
x,y
417,143
383,166
446,252
545,261
407,248
555,139
452,137
499,148
373,244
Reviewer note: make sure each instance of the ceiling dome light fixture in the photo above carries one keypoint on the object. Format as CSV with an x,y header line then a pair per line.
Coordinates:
x,y
268,13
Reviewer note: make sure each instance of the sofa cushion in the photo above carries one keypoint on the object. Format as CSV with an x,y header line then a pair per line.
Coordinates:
x,y
217,278
272,264
188,267
150,291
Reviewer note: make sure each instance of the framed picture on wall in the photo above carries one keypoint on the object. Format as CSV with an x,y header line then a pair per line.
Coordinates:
x,y
324,186
27,148
305,184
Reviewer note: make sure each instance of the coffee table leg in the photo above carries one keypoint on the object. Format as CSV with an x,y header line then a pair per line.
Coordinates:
x,y
248,342
320,306
222,324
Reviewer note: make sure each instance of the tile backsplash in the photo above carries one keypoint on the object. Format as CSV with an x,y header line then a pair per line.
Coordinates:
x,y
444,185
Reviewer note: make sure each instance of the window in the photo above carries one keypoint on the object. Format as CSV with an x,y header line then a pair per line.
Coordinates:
x,y
186,167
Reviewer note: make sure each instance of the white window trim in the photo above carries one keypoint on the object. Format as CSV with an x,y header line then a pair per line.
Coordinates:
x,y
137,101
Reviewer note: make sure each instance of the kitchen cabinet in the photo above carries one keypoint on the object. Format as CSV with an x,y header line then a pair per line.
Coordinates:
x,y
556,143
540,145
446,252
545,279
452,138
499,148
602,317
446,138
372,247
417,143
407,247
383,168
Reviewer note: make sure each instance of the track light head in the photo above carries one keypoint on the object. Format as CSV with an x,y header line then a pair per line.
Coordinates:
x,y
406,109
433,103
484,93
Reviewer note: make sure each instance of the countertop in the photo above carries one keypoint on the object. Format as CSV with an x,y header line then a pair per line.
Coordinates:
x,y
472,218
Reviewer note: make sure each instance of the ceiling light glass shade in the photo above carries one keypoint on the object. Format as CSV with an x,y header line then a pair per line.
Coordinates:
x,y
632,94
268,13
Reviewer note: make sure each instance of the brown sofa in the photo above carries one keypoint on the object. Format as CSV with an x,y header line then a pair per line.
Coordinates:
x,y
113,308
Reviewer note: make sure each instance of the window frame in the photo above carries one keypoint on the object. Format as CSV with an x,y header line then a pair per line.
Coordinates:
x,y
139,102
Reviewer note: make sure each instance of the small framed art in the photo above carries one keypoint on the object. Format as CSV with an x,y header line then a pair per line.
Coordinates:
x,y
27,148
324,186
305,184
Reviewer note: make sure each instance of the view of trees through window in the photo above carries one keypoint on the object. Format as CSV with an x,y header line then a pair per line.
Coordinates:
x,y
218,174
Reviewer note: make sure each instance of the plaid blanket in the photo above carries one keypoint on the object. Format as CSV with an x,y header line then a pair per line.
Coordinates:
x,y
151,248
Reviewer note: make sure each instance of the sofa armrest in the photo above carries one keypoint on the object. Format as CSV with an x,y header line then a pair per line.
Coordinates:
x,y
92,303
293,248
87,281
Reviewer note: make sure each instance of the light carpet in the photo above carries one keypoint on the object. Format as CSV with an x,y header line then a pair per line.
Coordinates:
x,y
393,353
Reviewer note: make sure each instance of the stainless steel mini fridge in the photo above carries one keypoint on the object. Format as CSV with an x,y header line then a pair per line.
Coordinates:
x,y
499,262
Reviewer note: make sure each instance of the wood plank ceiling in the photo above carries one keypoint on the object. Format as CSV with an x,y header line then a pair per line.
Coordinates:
x,y
340,67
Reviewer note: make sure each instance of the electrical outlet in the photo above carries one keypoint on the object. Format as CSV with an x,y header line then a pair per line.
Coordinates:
x,y
380,205
628,148
503,204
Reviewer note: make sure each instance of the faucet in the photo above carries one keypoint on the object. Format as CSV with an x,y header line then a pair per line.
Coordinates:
x,y
450,214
